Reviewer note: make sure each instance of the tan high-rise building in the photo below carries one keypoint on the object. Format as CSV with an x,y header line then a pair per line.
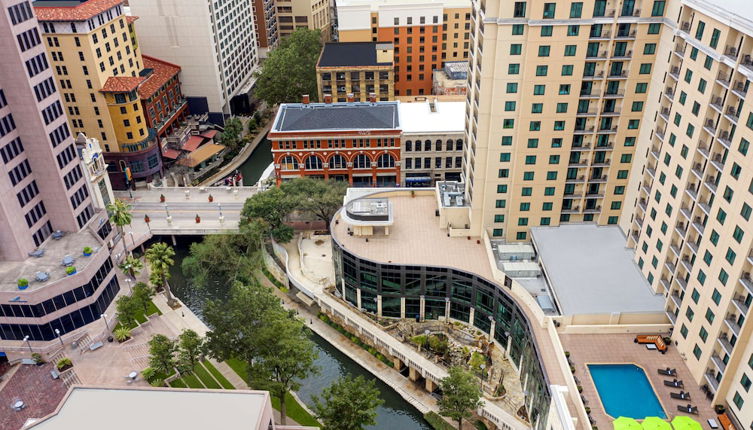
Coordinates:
x,y
311,14
425,34
689,200
357,69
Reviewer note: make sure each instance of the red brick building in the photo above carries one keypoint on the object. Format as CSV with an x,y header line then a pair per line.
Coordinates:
x,y
161,97
358,142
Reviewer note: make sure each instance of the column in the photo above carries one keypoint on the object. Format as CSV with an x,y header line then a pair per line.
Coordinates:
x,y
379,305
413,374
402,307
358,298
422,307
447,309
491,329
430,385
342,282
470,318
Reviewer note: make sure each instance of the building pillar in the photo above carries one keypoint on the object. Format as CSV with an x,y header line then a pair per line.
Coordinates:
x,y
447,309
342,281
397,364
358,298
413,374
491,329
379,305
430,385
402,307
172,236
509,343
422,307
471,316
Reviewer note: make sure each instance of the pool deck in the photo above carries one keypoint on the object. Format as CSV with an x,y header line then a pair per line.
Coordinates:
x,y
588,349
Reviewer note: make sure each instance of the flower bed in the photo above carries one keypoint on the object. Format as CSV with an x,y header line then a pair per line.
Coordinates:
x,y
353,338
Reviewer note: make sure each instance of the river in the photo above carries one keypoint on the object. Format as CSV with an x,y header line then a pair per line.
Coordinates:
x,y
394,414
256,163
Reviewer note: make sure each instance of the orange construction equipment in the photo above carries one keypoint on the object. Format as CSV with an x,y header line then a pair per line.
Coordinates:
x,y
655,339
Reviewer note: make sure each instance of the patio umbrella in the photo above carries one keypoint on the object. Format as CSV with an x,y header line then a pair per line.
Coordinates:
x,y
655,423
626,423
682,422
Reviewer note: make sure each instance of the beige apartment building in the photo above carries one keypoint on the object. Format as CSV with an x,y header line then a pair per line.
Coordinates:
x,y
357,69
311,14
688,205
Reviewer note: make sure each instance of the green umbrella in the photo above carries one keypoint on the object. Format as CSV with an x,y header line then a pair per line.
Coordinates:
x,y
682,422
626,423
655,423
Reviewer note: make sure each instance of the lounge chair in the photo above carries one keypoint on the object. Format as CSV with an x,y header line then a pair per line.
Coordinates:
x,y
667,372
655,339
682,395
674,383
688,409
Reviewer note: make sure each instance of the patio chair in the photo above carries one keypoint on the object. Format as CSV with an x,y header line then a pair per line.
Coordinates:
x,y
674,383
667,372
690,409
682,395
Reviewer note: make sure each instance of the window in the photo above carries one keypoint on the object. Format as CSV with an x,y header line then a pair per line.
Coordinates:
x,y
503,173
501,188
703,334
702,86
567,70
513,69
695,295
697,352
509,106
738,234
537,107
522,221
504,157
641,88
544,50
699,30
564,89
636,107
688,75
526,191
497,232
542,70
708,62
714,38
573,30
519,11
709,316
744,145
517,29
515,49
549,191
716,296
736,170
694,53
561,107
745,211
570,50
658,8
576,9
528,176
745,382
506,141
738,400
654,28
539,90
546,30
525,207
549,9
500,204
530,159
684,331
645,69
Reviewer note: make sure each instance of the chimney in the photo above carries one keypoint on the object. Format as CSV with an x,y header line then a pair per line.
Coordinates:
x,y
351,98
305,99
328,98
372,97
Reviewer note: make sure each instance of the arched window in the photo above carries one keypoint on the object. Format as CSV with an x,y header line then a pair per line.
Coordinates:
x,y
438,145
337,162
408,146
313,163
288,162
449,144
459,145
361,162
427,145
385,160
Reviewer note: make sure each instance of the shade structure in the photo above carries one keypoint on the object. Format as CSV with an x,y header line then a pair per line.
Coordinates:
x,y
682,422
626,423
655,423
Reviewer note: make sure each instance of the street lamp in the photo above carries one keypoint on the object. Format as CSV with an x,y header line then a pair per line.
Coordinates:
x,y
104,317
219,208
133,240
57,332
26,339
128,281
168,218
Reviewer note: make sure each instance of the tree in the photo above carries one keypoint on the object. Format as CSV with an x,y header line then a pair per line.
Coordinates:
x,y
162,354
321,199
271,207
142,294
252,124
128,310
131,266
231,137
190,350
160,258
348,404
120,215
290,69
461,395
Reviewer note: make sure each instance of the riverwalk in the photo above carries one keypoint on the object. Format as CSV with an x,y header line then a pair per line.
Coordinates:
x,y
239,159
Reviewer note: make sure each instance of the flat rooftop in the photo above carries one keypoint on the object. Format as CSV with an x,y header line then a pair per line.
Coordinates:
x,y
72,244
352,54
432,117
590,271
336,116
377,4
96,408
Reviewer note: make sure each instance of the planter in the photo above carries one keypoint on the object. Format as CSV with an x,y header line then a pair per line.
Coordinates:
x,y
23,284
87,254
71,272
63,369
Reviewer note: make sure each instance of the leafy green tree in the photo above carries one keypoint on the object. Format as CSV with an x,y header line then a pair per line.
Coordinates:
x,y
190,350
131,266
120,215
317,197
160,257
461,395
252,125
290,69
232,134
142,294
128,310
348,404
271,206
162,354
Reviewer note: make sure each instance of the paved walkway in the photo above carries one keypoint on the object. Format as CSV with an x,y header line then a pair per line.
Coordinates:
x,y
242,155
34,386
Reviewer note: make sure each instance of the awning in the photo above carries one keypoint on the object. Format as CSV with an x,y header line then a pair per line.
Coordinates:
x,y
209,134
418,179
202,154
193,143
171,153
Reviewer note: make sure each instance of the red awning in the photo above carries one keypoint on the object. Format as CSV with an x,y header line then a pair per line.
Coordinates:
x,y
209,134
192,143
171,153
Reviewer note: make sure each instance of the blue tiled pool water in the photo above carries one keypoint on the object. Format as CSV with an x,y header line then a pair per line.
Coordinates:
x,y
625,391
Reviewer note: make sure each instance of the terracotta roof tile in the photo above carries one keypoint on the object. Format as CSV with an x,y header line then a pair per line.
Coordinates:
x,y
80,12
121,84
131,18
162,71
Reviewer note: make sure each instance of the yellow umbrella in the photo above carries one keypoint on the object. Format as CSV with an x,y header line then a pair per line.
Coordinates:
x,y
626,423
655,423
682,422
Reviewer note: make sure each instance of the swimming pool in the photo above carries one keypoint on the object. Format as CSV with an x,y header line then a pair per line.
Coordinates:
x,y
625,391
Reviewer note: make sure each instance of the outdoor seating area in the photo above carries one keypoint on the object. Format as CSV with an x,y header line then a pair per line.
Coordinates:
x,y
680,422
654,340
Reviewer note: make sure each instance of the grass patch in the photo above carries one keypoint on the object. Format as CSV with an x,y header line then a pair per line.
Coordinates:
x,y
178,383
192,381
141,318
218,376
238,367
437,422
202,373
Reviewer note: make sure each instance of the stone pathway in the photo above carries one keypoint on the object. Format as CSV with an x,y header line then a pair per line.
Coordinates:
x,y
39,392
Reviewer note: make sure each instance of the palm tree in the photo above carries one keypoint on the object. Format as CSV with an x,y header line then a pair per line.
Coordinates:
x,y
120,215
160,258
131,266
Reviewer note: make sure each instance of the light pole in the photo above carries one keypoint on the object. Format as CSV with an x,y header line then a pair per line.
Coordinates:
x,y
219,207
26,339
133,241
128,282
57,332
168,218
104,317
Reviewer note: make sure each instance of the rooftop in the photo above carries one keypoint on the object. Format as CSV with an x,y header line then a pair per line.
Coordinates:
x,y
71,10
121,84
376,4
162,72
452,194
336,116
735,13
368,211
87,408
72,244
432,117
351,54
203,153
590,271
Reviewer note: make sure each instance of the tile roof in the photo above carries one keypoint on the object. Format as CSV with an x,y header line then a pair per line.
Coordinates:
x,y
210,134
121,84
192,143
343,54
72,11
131,18
162,71
200,155
171,153
336,116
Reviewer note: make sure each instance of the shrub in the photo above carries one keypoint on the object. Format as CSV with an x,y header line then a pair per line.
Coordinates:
x,y
572,368
70,270
567,354
88,250
122,334
588,410
324,318
437,422
37,357
23,282
64,362
580,388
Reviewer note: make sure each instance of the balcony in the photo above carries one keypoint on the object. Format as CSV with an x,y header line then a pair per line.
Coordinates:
x,y
716,104
577,180
586,147
739,302
731,322
711,380
682,283
588,130
723,80
686,264
672,318
731,52
698,226
725,343
604,35
638,220
709,126
746,282
718,363
686,213
675,298
675,250
693,247
651,172
674,73
710,183
692,192
670,266
718,162
731,114
596,55
679,49
705,207
704,151
669,93
664,114
681,229
739,89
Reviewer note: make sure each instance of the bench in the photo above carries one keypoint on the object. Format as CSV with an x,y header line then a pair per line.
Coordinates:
x,y
28,361
54,373
95,346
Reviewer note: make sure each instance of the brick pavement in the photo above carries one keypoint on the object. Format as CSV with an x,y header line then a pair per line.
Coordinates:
x,y
36,388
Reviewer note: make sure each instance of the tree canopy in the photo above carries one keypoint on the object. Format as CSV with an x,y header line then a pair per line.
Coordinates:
x,y
290,69
317,197
348,404
160,257
231,137
161,350
271,207
461,395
